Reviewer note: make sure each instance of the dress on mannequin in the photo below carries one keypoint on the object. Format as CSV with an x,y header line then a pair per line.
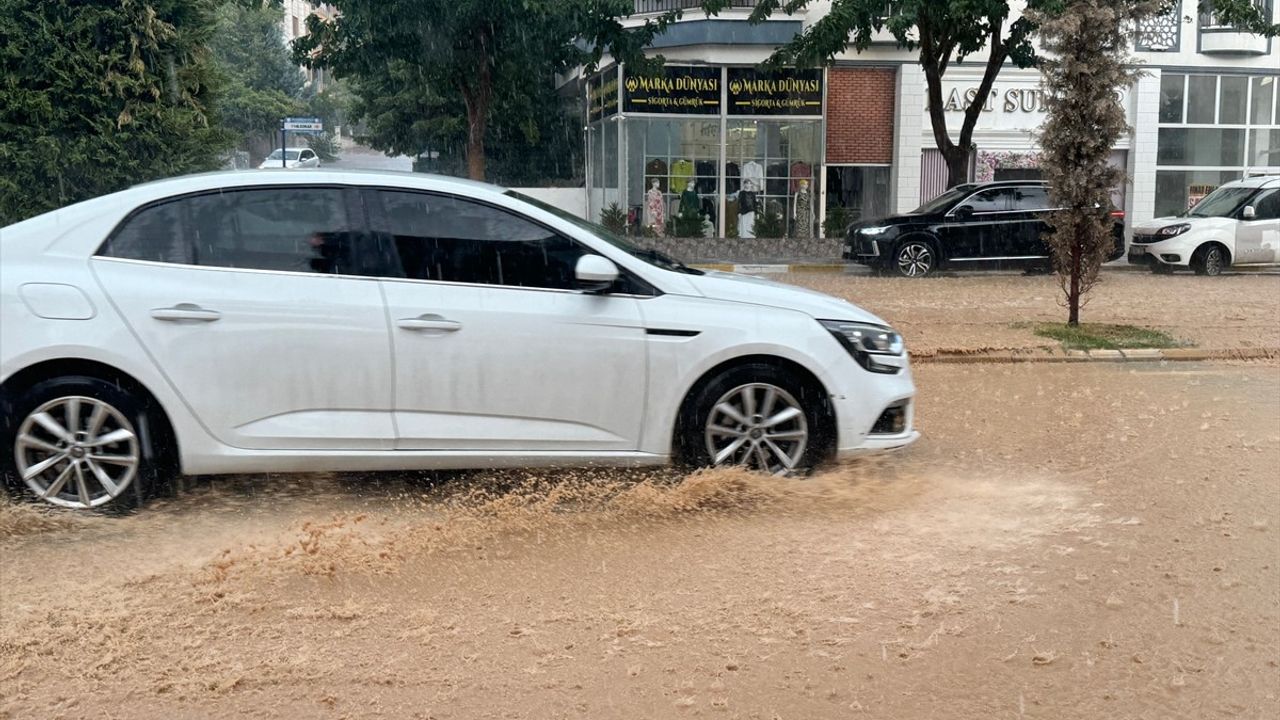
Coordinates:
x,y
655,213
804,212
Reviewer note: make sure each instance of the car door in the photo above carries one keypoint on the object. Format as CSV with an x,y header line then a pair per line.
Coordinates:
x,y
1258,239
251,305
975,226
308,159
494,349
1028,222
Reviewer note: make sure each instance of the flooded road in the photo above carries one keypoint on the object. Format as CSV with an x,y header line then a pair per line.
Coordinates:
x,y
1066,541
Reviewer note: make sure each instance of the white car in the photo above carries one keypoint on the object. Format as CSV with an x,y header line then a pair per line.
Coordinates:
x,y
1237,224
294,158
249,322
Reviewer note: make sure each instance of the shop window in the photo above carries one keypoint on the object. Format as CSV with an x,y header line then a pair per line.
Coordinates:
x,y
1263,100
1231,106
1202,91
1176,190
1171,97
862,193
1264,148
680,156
769,170
1200,146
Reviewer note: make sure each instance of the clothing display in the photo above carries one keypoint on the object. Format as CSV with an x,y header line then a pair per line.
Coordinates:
x,y
706,182
731,216
655,212
732,178
804,212
800,171
747,225
709,208
656,169
689,203
746,202
777,179
753,177
681,173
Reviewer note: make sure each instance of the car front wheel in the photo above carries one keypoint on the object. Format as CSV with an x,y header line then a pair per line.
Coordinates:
x,y
757,416
915,258
1209,260
79,443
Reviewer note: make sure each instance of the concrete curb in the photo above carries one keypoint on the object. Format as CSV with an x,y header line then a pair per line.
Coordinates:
x,y
1049,355
840,267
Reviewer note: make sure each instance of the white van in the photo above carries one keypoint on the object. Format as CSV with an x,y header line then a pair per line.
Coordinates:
x,y
1237,224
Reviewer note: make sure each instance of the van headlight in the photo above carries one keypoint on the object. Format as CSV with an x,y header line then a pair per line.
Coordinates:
x,y
1169,231
875,347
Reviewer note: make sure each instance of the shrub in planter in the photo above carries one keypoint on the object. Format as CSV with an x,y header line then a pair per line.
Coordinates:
x,y
614,218
769,221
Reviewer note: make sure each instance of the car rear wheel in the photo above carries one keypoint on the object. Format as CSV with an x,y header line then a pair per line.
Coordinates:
x,y
1209,260
80,443
757,416
915,258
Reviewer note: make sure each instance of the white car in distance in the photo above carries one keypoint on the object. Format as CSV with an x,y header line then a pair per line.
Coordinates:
x,y
1236,224
338,321
294,159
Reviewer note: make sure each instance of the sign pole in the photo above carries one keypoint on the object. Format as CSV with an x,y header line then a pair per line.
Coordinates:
x,y
283,161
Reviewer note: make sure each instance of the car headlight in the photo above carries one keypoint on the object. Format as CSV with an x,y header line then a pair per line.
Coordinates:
x,y
1169,231
875,347
878,230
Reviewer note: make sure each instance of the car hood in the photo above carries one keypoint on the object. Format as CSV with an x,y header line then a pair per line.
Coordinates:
x,y
1197,223
735,287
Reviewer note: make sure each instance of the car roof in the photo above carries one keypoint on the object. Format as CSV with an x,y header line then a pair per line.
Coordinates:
x,y
1257,181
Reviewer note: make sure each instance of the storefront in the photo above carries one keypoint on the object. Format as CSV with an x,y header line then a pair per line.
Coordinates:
x,y
706,151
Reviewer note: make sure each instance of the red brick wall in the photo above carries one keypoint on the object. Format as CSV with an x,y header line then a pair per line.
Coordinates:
x,y
860,115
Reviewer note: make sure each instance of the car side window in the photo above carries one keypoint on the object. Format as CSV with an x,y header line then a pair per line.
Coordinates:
x,y
1267,205
1030,199
153,234
284,229
992,200
307,155
450,239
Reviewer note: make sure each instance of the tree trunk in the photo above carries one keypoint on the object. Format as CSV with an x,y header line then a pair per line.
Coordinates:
x,y
957,165
1073,290
477,120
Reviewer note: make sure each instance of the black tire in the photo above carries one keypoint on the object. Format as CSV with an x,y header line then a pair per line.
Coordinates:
x,y
696,415
150,444
915,259
1209,260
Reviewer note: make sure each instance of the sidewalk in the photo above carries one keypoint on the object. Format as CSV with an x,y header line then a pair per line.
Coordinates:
x,y
1056,355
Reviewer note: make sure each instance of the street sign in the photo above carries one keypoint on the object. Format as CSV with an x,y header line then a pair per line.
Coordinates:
x,y
303,124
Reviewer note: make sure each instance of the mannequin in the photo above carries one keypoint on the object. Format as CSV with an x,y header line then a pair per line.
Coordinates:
x,y
804,211
752,183
654,210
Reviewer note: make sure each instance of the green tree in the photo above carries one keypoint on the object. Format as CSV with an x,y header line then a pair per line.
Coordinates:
x,y
1086,68
96,96
476,52
261,82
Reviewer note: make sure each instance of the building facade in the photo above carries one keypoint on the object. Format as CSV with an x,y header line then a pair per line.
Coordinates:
x,y
293,25
752,153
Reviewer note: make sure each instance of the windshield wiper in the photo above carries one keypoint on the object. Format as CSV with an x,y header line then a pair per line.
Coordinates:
x,y
664,260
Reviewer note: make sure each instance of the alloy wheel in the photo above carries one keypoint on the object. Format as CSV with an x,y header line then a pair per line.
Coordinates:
x,y
1213,261
77,452
759,426
915,260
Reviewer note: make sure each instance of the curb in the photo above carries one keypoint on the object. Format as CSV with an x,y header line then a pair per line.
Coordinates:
x,y
840,267
1046,355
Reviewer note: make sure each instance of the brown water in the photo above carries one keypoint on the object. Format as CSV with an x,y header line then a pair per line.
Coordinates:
x,y
1076,541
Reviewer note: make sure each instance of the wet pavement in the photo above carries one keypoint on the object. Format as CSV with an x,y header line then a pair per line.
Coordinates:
x,y
1065,542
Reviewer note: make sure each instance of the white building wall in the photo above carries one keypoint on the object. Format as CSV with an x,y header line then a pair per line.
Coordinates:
x,y
1141,198
909,126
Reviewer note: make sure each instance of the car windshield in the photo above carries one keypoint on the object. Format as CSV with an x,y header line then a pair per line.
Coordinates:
x,y
1222,202
654,257
290,154
943,200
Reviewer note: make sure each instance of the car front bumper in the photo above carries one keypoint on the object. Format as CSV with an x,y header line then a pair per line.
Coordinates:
x,y
1165,252
875,414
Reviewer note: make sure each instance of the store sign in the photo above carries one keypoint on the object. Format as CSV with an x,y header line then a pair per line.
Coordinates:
x,y
1196,193
602,96
678,89
1011,105
784,92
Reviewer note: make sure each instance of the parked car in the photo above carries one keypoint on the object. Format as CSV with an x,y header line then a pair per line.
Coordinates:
x,y
971,226
294,158
277,322
1237,224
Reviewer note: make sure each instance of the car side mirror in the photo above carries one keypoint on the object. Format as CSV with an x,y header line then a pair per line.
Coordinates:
x,y
1248,213
595,274
964,211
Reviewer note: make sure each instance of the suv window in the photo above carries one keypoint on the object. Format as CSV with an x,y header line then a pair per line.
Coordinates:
x,y
446,238
992,200
285,229
1030,198
1266,206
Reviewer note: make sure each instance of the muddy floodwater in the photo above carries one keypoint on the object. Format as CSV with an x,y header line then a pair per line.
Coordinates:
x,y
1098,541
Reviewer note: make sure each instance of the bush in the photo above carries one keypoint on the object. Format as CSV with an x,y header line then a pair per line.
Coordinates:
x,y
614,218
837,222
769,221
325,145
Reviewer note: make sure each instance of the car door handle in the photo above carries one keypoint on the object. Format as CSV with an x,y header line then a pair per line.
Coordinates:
x,y
186,311
428,321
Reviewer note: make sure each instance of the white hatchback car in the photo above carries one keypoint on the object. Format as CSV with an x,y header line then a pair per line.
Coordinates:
x,y
242,322
294,158
1236,224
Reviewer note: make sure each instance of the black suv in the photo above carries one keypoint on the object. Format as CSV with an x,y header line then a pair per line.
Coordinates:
x,y
971,226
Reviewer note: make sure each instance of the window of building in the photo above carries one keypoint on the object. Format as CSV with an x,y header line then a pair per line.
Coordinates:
x,y
766,162
1213,129
862,191
449,239
680,157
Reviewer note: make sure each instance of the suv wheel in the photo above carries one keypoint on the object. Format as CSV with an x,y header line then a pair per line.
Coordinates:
x,y
1209,260
915,258
79,442
759,417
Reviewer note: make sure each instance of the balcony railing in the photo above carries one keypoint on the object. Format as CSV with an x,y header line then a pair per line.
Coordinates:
x,y
657,6
1218,37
